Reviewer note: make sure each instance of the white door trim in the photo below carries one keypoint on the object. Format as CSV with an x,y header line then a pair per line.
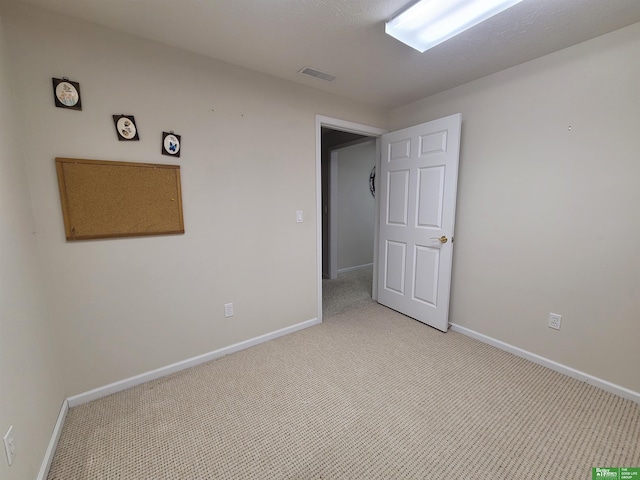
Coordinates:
x,y
345,126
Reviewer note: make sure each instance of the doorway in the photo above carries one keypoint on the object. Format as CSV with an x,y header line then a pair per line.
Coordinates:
x,y
416,208
331,135
349,212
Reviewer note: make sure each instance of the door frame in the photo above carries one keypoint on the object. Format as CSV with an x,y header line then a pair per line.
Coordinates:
x,y
351,127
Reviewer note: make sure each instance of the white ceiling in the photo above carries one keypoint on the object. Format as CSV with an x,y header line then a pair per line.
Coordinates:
x,y
346,38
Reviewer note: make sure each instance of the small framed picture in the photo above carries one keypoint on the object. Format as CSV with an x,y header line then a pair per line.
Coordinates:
x,y
170,144
66,94
126,127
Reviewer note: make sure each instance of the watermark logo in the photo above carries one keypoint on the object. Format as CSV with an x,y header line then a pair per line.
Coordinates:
x,y
610,473
624,473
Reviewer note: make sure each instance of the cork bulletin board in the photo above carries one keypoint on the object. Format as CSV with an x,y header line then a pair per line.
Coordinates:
x,y
105,199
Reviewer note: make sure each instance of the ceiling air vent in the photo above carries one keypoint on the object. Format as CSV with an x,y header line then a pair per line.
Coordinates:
x,y
312,72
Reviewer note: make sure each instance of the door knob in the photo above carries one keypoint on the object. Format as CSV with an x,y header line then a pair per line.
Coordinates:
x,y
442,239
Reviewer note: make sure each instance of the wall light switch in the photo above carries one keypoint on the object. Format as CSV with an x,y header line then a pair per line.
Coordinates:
x,y
299,217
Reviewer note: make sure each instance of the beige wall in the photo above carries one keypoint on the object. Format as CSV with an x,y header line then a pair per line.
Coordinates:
x,y
126,306
31,390
548,199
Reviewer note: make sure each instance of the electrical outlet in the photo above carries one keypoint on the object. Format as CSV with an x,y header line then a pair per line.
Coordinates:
x,y
555,320
228,310
9,445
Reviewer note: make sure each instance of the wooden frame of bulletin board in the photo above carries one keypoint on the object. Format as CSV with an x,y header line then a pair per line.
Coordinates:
x,y
106,199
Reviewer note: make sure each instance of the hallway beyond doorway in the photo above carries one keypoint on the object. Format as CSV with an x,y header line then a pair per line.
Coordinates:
x,y
352,289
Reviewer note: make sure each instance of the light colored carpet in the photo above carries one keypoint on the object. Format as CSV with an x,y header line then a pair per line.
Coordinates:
x,y
350,290
369,394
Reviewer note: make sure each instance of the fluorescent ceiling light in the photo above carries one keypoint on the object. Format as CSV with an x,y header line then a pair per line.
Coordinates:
x,y
427,23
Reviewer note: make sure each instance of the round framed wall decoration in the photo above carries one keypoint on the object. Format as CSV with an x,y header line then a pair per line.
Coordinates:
x,y
66,94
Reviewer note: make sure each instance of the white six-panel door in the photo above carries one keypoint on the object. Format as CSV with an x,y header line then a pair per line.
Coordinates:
x,y
418,184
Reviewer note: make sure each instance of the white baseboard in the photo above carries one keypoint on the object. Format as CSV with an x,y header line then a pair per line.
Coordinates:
x,y
176,367
53,443
545,362
357,267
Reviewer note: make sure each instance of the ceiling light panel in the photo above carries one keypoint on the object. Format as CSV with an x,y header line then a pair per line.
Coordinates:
x,y
427,23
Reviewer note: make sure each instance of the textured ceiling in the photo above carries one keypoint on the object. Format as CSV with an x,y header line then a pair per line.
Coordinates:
x,y
346,38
